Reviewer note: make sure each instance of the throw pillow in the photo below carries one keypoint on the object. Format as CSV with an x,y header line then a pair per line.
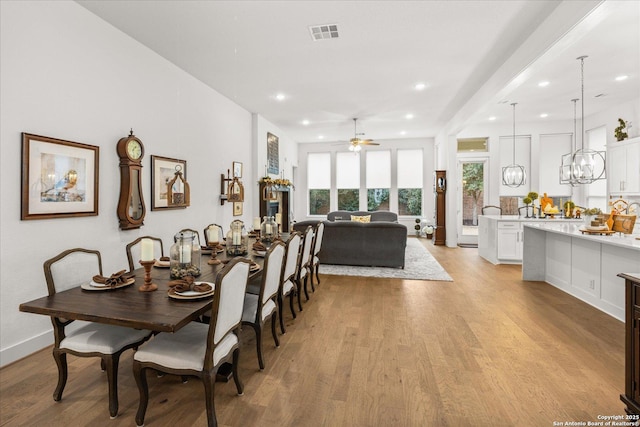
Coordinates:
x,y
361,218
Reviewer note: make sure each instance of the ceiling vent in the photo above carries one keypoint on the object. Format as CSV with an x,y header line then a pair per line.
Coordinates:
x,y
322,32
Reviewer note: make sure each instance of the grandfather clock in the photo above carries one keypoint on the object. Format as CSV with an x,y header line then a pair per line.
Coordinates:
x,y
440,189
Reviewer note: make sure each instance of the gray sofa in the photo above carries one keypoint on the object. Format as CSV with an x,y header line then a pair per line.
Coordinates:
x,y
379,243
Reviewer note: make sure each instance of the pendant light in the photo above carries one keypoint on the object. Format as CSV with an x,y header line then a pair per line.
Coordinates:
x,y
587,165
566,167
514,175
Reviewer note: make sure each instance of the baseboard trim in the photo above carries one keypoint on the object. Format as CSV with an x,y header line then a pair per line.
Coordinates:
x,y
25,348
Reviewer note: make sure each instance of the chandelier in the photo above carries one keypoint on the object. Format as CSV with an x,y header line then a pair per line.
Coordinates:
x,y
514,175
587,165
566,165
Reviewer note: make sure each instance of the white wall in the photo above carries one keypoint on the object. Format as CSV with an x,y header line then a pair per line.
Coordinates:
x,y
69,75
426,144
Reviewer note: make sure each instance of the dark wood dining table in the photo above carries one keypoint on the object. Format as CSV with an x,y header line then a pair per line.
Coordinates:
x,y
129,307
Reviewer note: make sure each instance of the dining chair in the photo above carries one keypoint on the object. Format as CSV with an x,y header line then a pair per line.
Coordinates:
x,y
485,208
71,269
303,271
199,349
314,262
175,237
259,308
133,248
287,278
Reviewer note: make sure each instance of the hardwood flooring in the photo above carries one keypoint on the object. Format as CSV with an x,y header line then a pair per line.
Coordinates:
x,y
484,350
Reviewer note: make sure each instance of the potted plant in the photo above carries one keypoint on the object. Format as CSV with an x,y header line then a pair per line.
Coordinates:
x,y
533,196
428,231
527,201
568,208
619,131
417,226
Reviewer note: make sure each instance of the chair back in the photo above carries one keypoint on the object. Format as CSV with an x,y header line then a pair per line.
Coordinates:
x,y
133,252
71,268
175,237
305,257
291,256
206,234
228,300
272,271
487,207
317,243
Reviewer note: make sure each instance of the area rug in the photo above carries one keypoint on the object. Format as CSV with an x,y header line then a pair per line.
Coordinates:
x,y
419,264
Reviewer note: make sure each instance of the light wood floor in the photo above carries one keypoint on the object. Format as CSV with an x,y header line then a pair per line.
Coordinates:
x,y
484,350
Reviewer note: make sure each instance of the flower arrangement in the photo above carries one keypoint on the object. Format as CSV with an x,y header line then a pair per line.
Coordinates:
x,y
620,134
280,182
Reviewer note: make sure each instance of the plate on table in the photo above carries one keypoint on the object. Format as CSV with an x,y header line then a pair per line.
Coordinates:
x,y
205,250
260,253
93,286
162,264
254,267
187,295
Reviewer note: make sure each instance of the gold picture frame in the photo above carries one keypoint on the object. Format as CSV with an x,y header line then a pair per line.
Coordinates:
x,y
237,208
163,170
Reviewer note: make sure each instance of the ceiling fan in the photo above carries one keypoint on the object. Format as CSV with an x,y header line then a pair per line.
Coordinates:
x,y
356,143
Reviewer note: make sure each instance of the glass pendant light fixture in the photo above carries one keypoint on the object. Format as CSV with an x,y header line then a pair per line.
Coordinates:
x,y
514,175
566,166
587,165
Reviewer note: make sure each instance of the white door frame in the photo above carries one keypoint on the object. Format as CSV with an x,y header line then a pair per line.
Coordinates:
x,y
470,239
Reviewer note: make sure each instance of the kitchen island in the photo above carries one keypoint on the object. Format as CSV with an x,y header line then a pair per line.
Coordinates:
x,y
500,237
585,266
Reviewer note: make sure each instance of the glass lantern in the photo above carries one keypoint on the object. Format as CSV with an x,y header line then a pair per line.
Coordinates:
x,y
268,229
185,256
237,239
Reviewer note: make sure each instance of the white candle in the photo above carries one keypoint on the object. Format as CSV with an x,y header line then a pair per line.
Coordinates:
x,y
267,228
213,234
185,254
236,238
278,218
256,223
146,250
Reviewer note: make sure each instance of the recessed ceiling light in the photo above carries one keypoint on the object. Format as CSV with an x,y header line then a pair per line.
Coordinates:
x,y
280,97
492,118
306,122
544,83
420,86
621,78
320,136
544,115
403,132
409,116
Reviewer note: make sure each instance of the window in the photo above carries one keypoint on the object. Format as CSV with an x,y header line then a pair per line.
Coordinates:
x,y
410,182
319,182
348,181
469,145
378,180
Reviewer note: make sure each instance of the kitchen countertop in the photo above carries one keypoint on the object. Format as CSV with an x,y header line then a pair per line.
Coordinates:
x,y
524,219
629,241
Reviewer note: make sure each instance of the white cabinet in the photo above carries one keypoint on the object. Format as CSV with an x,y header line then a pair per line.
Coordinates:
x,y
510,240
623,170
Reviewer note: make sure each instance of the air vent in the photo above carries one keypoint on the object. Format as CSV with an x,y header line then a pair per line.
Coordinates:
x,y
322,32
600,95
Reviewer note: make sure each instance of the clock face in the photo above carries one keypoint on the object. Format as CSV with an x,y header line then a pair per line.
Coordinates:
x,y
134,149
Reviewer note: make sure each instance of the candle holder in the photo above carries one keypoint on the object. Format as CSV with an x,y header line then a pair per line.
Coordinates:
x,y
147,286
215,247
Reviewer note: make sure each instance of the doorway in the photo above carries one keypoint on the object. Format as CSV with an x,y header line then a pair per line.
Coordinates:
x,y
472,181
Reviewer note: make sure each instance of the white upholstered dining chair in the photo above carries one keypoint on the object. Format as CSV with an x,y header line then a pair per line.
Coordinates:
x,y
303,271
314,262
71,269
133,250
199,349
287,278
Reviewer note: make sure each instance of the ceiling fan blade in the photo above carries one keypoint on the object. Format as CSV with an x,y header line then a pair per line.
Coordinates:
x,y
367,142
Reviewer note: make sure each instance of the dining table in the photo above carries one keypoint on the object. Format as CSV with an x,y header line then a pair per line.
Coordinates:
x,y
127,306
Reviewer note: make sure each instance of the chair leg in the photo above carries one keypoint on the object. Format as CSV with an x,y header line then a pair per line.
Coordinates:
x,y
140,375
111,362
258,330
61,360
298,292
280,315
293,312
209,385
236,378
317,268
273,329
306,290
103,366
313,288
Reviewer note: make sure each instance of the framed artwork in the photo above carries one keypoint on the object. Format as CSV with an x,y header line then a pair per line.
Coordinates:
x,y
59,178
237,208
273,165
237,169
163,170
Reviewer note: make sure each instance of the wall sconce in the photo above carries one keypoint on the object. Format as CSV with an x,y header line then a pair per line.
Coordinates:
x,y
231,189
178,191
